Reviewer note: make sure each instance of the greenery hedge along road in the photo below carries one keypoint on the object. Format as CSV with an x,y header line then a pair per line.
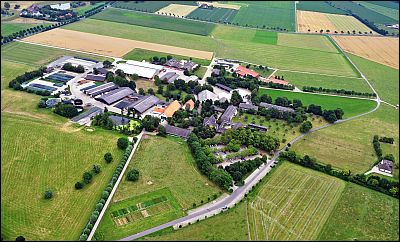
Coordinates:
x,y
155,21
350,106
338,91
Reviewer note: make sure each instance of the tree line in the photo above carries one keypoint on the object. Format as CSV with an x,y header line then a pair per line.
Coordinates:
x,y
72,68
383,185
240,170
27,76
337,91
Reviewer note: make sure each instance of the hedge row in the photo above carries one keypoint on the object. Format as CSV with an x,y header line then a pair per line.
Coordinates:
x,y
104,196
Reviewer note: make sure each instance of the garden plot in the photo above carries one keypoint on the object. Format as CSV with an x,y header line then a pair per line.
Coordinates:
x,y
177,10
293,205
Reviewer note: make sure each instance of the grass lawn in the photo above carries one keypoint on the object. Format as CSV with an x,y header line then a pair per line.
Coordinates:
x,y
9,28
357,213
384,79
349,145
312,42
35,55
201,71
314,80
134,217
145,84
220,15
241,47
259,15
350,106
160,162
155,21
278,128
141,54
83,9
41,151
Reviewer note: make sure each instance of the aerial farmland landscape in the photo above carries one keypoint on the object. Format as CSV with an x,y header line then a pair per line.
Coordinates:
x,y
199,120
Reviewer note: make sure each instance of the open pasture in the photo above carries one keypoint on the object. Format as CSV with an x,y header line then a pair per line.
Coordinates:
x,y
333,82
318,6
8,28
315,21
356,214
105,45
293,205
138,213
391,12
258,15
177,10
310,42
350,106
155,21
220,15
384,50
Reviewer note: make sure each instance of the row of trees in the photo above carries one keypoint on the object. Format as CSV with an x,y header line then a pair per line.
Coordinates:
x,y
277,85
121,80
377,147
338,91
240,170
235,82
383,185
204,160
105,195
16,82
388,140
88,176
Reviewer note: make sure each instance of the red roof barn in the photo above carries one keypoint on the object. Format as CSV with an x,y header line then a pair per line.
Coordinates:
x,y
243,71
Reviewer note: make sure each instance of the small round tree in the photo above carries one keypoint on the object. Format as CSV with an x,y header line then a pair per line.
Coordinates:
x,y
48,194
20,238
305,127
108,157
123,143
96,169
79,185
133,175
87,177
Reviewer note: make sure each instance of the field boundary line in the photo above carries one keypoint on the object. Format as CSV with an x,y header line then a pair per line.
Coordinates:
x,y
103,211
321,74
247,220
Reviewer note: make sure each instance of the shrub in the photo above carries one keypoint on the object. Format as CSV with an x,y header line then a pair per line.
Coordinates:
x,y
83,237
48,194
99,206
86,231
123,143
133,175
20,238
79,185
87,177
108,157
105,195
96,169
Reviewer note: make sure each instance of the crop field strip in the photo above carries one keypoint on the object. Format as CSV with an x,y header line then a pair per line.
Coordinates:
x,y
271,55
155,21
315,21
177,10
149,6
387,11
287,210
220,15
318,6
384,50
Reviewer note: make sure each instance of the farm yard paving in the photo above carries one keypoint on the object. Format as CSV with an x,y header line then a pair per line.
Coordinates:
x,y
106,45
315,21
384,50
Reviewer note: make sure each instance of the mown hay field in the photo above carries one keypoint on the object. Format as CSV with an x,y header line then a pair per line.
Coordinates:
x,y
105,45
293,204
220,15
178,10
350,106
384,50
8,28
315,21
155,21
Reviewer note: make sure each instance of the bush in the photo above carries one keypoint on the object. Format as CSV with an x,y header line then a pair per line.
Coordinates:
x,y
48,194
20,238
108,157
83,237
96,169
123,143
99,207
133,175
87,177
79,185
105,195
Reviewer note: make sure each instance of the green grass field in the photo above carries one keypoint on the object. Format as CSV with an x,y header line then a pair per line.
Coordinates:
x,y
82,10
9,28
384,79
389,12
219,15
260,15
293,204
35,55
155,21
311,42
160,162
113,228
315,80
241,47
357,213
278,128
140,54
349,145
350,106
318,6
148,6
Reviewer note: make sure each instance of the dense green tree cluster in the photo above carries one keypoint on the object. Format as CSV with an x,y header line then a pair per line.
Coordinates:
x,y
133,175
103,120
72,68
388,140
120,79
338,91
240,170
150,123
305,127
66,110
16,82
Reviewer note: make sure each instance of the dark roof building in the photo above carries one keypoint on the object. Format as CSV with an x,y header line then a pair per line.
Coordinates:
x,y
216,72
248,106
116,120
144,103
210,121
175,131
279,108
386,166
101,89
87,88
88,114
103,71
259,127
187,65
223,87
235,126
51,103
93,77
229,113
115,95
218,109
